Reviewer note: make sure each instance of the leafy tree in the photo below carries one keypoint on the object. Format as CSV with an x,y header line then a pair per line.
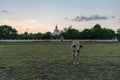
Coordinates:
x,y
70,33
25,35
7,32
100,33
39,35
108,33
47,35
35,36
97,26
31,36
118,34
97,32
86,34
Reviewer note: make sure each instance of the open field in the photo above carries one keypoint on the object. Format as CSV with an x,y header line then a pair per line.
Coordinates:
x,y
53,61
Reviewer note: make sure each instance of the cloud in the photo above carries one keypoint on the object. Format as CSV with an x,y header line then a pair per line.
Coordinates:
x,y
91,18
4,11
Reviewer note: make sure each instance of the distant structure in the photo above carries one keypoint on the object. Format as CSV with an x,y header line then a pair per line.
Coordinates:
x,y
61,38
56,31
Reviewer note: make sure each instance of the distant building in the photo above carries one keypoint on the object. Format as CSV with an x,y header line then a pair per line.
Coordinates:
x,y
56,31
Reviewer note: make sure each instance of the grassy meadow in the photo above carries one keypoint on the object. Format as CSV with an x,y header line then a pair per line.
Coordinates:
x,y
54,61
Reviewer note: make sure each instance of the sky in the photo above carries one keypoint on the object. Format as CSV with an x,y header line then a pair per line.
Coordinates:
x,y
44,15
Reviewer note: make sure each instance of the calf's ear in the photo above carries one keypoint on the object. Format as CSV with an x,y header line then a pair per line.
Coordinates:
x,y
81,46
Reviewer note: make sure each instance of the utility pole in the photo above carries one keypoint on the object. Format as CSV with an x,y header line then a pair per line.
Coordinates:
x,y
27,33
27,30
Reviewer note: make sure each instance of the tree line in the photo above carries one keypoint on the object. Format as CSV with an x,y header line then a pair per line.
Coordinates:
x,y
97,32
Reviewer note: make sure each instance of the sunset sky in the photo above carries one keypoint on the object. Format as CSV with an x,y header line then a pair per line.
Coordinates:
x,y
44,15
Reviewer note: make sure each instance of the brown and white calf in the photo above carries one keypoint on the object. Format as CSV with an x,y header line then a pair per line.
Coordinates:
x,y
76,46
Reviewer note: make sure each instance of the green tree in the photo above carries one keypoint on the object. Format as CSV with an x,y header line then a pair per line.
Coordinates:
x,y
39,35
70,33
7,32
97,33
32,36
97,26
108,33
35,36
100,33
25,35
85,34
47,35
118,34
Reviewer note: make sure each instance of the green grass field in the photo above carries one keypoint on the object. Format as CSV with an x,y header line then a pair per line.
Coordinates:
x,y
54,61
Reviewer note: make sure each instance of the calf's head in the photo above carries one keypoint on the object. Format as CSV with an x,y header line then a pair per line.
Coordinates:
x,y
76,47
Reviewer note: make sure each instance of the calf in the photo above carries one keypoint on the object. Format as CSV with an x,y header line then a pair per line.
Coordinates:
x,y
76,46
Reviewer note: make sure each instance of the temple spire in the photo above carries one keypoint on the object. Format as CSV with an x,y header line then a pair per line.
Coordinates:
x,y
56,31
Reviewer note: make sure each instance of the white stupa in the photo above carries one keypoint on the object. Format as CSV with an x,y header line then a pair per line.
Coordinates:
x,y
56,31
